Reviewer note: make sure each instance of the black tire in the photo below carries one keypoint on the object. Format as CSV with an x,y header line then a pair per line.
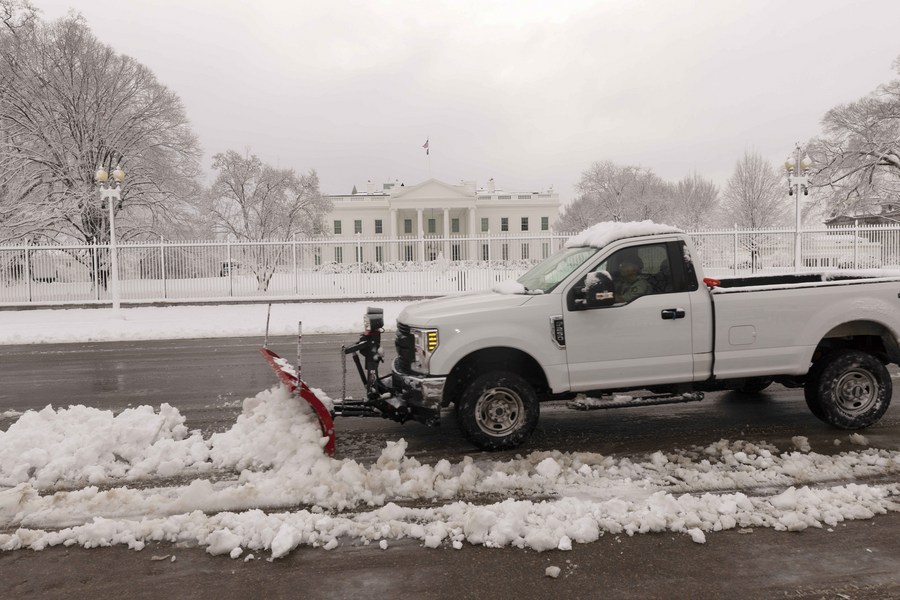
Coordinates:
x,y
498,410
754,385
849,389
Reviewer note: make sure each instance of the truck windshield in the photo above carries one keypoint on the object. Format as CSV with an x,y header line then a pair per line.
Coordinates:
x,y
547,275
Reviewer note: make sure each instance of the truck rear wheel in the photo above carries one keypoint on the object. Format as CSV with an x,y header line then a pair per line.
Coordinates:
x,y
498,410
849,389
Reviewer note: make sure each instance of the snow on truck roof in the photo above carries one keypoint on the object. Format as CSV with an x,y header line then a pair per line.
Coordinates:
x,y
607,232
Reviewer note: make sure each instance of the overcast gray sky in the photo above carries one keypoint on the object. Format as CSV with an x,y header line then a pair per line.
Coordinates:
x,y
527,92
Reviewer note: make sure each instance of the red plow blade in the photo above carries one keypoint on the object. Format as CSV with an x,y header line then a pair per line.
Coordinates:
x,y
283,369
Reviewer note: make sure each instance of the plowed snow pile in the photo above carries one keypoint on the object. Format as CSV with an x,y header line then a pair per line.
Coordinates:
x,y
67,477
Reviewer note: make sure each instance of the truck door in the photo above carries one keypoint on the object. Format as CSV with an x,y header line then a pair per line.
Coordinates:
x,y
640,337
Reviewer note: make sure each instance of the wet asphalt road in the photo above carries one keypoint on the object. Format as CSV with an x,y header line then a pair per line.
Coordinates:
x,y
207,379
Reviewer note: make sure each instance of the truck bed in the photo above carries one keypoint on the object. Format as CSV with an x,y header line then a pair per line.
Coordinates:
x,y
771,324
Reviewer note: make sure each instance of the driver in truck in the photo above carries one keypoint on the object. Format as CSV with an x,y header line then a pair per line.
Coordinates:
x,y
631,283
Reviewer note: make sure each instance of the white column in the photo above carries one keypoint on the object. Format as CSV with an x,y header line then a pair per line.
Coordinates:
x,y
473,231
392,235
447,233
421,233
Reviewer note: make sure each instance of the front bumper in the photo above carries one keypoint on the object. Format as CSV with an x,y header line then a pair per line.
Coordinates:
x,y
422,394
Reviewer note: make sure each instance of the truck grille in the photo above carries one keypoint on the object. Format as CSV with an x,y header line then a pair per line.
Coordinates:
x,y
406,347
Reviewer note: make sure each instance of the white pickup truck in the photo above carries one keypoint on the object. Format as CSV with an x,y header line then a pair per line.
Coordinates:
x,y
623,307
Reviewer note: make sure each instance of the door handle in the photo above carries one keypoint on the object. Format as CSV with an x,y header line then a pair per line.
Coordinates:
x,y
670,314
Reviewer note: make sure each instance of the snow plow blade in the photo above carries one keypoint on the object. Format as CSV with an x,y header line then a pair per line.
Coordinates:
x,y
285,372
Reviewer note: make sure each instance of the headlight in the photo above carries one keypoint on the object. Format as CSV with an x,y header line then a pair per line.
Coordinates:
x,y
426,342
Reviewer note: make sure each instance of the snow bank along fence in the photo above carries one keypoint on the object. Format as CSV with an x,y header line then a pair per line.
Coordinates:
x,y
378,267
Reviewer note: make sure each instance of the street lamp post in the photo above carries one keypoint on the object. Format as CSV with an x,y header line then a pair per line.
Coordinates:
x,y
111,193
797,184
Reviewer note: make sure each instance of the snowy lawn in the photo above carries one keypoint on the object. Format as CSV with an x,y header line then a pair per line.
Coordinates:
x,y
83,476
183,322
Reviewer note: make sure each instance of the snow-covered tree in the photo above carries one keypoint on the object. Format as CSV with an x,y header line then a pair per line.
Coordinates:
x,y
252,201
69,103
755,195
611,192
694,201
856,161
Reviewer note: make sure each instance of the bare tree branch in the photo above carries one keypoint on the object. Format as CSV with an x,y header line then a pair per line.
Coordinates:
x,y
610,192
69,103
858,156
755,195
252,201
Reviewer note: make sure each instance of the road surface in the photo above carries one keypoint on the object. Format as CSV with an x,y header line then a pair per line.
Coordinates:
x,y
207,380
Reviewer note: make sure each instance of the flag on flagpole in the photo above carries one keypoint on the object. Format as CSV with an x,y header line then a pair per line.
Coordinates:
x,y
425,145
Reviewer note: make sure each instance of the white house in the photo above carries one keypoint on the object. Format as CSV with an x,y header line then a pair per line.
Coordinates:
x,y
423,221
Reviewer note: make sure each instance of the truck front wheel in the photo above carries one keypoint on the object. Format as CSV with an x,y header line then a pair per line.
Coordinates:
x,y
498,410
849,389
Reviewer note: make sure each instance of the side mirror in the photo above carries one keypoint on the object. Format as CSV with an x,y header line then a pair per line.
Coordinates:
x,y
596,291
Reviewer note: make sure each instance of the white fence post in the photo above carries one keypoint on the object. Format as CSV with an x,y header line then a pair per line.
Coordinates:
x,y
95,265
294,266
162,265
28,274
230,267
734,261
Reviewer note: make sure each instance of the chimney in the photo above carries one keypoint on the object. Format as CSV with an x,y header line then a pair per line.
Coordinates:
x,y
370,187
491,187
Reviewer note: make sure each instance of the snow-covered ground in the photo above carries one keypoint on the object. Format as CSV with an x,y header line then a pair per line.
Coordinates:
x,y
83,476
181,322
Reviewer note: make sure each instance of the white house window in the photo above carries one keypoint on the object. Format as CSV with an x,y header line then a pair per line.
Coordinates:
x,y
378,227
485,252
432,225
455,252
338,254
545,223
337,228
525,251
504,224
484,223
545,250
524,223
407,226
408,252
379,254
357,226
504,252
317,256
454,225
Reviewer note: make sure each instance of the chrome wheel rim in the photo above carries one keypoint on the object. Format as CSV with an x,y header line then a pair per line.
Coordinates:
x,y
499,411
856,391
